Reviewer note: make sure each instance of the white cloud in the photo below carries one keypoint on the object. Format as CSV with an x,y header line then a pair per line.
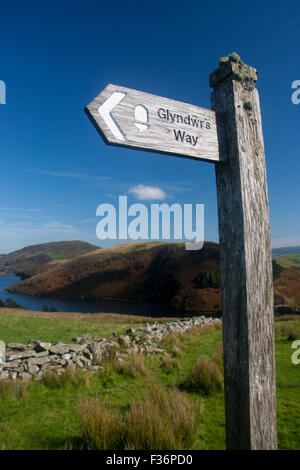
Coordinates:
x,y
21,228
143,192
67,174
86,221
58,227
18,209
285,242
16,235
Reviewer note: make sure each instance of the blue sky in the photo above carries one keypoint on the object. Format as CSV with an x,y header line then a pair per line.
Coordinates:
x,y
57,56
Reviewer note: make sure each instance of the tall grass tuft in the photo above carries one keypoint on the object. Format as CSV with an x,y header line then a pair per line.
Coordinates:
x,y
176,351
219,355
205,378
168,364
287,332
181,339
70,378
102,424
20,389
163,420
5,387
133,366
9,388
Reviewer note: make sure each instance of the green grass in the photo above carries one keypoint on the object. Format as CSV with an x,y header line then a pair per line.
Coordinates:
x,y
161,419
57,261
22,329
288,260
46,415
148,246
287,330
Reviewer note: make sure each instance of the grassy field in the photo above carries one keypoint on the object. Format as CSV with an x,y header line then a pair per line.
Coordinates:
x,y
48,415
22,329
288,260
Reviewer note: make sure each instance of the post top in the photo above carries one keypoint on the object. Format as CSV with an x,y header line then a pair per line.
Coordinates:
x,y
233,68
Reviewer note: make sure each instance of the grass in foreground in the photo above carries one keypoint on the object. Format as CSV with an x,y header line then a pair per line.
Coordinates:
x,y
21,329
163,419
54,413
205,378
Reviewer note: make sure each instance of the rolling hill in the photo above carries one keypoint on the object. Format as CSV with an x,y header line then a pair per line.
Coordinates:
x,y
36,258
287,284
165,273
159,272
286,250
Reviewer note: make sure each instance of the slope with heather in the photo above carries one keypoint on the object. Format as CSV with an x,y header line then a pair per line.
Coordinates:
x,y
157,272
287,284
36,258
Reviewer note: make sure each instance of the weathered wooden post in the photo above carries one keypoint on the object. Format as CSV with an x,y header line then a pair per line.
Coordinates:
x,y
246,262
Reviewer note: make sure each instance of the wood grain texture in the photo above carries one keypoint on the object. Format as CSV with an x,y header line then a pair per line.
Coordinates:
x,y
246,264
198,137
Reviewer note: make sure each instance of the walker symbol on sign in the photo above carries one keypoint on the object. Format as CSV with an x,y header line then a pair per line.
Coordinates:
x,y
141,117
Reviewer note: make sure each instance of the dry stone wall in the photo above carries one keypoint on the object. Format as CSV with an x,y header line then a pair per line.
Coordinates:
x,y
33,360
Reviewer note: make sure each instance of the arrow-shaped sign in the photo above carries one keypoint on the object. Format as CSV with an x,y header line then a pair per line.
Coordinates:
x,y
106,108
140,120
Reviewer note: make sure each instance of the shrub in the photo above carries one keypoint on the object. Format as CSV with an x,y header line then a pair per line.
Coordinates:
x,y
277,270
208,278
205,378
9,303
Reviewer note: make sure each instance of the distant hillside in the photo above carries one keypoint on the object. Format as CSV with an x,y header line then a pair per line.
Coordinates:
x,y
165,273
286,250
36,258
287,283
288,260
159,272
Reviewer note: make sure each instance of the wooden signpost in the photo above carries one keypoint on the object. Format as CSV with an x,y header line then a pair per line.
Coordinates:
x,y
135,119
231,137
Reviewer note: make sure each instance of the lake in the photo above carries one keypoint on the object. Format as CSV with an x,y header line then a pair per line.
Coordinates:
x,y
81,306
